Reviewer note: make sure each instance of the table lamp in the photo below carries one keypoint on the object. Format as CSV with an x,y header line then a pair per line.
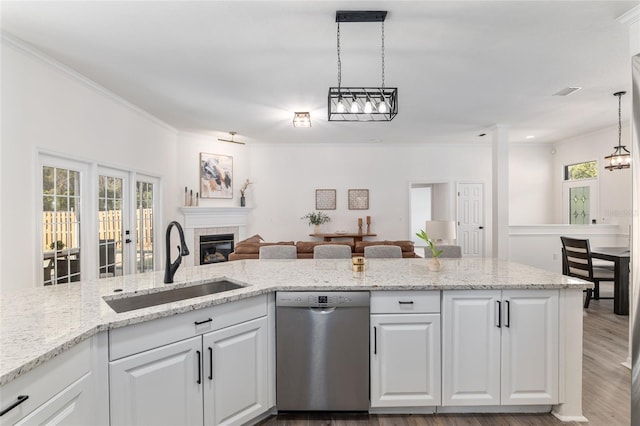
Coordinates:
x,y
440,231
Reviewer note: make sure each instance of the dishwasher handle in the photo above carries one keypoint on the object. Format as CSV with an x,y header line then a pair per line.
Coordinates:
x,y
322,309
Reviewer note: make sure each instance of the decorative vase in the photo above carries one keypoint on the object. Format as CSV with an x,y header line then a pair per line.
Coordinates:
x,y
316,229
434,264
242,201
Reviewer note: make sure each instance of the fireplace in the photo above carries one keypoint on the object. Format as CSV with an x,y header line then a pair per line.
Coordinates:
x,y
215,248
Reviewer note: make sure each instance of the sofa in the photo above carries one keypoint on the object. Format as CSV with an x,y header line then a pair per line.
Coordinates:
x,y
250,248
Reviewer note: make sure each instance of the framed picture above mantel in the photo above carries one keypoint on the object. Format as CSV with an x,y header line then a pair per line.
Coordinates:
x,y
216,176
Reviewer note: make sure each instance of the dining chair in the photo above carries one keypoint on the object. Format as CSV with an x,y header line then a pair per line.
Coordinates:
x,y
383,251
577,262
447,251
278,252
332,251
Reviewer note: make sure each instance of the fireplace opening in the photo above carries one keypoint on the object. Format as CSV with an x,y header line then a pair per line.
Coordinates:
x,y
215,248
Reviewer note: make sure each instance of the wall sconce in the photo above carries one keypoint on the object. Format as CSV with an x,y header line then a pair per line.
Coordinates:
x,y
301,119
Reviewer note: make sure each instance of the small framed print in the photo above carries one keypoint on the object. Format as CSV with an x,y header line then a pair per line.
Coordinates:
x,y
358,199
325,199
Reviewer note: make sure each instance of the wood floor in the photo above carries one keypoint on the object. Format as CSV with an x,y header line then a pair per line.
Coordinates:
x,y
606,387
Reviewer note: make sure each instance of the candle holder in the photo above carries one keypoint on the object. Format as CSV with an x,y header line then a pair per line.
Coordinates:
x,y
368,224
359,225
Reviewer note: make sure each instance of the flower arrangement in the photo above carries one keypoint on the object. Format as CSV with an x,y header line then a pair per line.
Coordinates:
x,y
244,187
434,252
316,218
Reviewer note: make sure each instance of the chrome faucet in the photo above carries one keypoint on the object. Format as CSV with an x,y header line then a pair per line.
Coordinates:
x,y
171,268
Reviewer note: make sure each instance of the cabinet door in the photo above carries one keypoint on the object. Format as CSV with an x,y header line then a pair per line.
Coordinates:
x,y
235,370
159,386
72,406
471,347
405,360
530,347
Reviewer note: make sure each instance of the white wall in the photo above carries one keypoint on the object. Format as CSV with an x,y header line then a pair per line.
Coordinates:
x,y
45,108
188,152
614,187
286,177
530,184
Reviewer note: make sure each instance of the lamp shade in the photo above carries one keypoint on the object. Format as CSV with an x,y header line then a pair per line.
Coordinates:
x,y
441,229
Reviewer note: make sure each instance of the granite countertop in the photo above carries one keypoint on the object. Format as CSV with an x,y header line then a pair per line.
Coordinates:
x,y
36,324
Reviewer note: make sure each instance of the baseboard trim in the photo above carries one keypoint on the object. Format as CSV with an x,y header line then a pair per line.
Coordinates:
x,y
578,419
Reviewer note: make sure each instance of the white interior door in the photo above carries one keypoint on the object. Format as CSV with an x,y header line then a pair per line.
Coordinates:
x,y
471,219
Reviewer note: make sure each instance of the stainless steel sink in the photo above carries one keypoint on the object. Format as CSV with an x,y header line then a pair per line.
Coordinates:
x,y
125,304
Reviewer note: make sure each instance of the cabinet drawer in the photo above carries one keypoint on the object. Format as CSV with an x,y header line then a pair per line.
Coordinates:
x,y
141,337
45,381
407,302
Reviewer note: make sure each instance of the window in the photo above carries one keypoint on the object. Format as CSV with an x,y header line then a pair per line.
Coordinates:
x,y
111,217
60,224
144,226
586,170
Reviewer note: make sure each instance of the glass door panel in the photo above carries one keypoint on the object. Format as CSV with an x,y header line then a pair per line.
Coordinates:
x,y
60,225
111,224
144,226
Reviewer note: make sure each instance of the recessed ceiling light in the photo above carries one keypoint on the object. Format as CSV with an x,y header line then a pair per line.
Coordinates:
x,y
529,137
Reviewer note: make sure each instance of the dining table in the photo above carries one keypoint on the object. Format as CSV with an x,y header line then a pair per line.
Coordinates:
x,y
620,256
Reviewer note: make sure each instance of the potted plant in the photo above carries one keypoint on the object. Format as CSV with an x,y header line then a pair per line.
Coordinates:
x,y
316,219
434,262
243,188
58,245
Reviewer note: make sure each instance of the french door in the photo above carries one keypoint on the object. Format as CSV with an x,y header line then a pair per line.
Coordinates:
x,y
126,203
113,222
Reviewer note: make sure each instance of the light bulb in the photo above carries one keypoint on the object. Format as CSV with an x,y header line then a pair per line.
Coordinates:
x,y
340,107
382,108
367,107
354,106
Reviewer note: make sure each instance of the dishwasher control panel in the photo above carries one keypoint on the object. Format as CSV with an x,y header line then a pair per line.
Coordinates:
x,y
315,299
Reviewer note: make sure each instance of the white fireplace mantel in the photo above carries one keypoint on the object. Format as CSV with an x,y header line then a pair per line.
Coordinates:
x,y
212,217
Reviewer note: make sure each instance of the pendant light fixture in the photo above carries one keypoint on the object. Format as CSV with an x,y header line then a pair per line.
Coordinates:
x,y
621,157
361,103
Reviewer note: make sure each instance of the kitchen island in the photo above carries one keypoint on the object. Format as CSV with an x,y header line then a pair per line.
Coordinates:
x,y
39,324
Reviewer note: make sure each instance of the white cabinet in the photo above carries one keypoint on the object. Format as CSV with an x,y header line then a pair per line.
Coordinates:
x,y
159,386
72,406
405,349
216,374
500,347
65,390
236,382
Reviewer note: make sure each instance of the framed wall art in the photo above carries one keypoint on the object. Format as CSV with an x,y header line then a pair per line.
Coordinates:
x,y
216,176
325,199
358,199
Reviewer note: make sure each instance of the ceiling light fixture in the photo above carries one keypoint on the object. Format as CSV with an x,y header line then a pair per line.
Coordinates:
x,y
621,157
231,140
301,119
361,103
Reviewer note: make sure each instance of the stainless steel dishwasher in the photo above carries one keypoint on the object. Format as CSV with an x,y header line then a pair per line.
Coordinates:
x,y
322,351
